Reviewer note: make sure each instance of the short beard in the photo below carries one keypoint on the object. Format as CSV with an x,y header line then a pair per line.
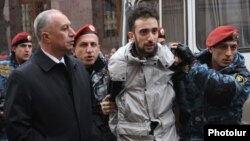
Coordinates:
x,y
140,52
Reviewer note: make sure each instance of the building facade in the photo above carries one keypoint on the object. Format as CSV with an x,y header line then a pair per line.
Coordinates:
x,y
19,15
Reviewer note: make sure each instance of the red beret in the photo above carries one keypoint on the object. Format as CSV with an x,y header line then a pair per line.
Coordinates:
x,y
86,29
221,33
161,32
21,37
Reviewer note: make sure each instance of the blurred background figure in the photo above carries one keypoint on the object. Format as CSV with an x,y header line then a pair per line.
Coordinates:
x,y
112,51
161,36
106,55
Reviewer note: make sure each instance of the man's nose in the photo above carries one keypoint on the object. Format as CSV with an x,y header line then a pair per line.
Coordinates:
x,y
89,48
151,36
229,51
72,32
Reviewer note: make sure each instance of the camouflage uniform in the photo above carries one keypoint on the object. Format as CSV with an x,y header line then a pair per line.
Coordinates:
x,y
100,82
207,96
6,67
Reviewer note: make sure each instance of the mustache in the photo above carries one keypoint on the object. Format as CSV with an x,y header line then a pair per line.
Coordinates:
x,y
150,43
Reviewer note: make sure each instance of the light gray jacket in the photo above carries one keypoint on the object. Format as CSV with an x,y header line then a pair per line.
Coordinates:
x,y
147,96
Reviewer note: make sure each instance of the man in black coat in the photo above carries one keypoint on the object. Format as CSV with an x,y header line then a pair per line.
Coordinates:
x,y
48,97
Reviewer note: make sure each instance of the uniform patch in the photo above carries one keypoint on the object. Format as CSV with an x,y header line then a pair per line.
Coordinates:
x,y
185,69
5,70
240,78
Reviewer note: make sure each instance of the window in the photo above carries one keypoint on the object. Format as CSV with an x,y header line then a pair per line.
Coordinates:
x,y
110,18
29,10
173,21
26,14
212,13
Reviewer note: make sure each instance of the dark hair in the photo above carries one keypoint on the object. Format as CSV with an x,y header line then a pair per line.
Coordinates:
x,y
234,37
141,11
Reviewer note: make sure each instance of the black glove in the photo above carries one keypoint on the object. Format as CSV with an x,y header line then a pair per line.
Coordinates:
x,y
114,89
184,53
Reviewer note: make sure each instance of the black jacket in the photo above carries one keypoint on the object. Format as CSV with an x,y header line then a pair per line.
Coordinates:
x,y
41,104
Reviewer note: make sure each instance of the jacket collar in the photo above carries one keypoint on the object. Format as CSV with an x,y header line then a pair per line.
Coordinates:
x,y
47,63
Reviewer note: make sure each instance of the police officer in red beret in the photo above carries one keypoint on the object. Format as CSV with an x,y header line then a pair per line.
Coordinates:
x,y
216,86
87,49
21,49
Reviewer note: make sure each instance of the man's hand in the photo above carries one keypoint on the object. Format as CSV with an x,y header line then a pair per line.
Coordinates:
x,y
173,45
183,53
108,106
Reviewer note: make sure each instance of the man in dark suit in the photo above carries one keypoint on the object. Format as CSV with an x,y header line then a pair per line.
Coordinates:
x,y
49,96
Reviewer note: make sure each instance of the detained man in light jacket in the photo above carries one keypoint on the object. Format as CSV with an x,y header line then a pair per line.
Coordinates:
x,y
141,72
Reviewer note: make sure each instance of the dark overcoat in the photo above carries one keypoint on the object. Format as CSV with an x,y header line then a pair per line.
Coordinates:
x,y
43,105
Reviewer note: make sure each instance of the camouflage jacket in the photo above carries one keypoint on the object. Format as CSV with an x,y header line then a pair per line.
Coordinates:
x,y
206,96
99,80
6,67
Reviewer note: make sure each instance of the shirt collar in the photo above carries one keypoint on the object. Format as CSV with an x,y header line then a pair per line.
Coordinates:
x,y
54,58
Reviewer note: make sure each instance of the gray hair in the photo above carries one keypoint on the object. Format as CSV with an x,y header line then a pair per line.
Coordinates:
x,y
42,21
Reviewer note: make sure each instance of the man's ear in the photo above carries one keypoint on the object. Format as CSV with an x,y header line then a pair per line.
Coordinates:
x,y
131,36
14,48
210,49
45,36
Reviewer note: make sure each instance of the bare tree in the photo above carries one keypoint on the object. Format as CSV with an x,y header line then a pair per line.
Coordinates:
x,y
3,25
